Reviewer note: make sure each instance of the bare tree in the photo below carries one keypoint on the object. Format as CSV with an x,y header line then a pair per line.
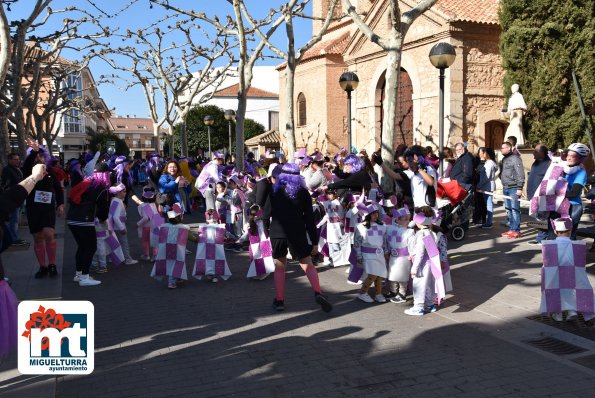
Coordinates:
x,y
234,26
393,45
163,67
292,58
46,92
9,101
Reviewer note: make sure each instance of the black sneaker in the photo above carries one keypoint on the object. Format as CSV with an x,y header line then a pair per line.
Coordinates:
x,y
42,273
389,295
534,243
278,305
324,303
53,272
20,242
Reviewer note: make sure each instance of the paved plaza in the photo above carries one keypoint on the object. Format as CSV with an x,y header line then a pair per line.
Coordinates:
x,y
218,340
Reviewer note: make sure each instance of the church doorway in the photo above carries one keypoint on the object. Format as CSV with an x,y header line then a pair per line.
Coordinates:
x,y
404,109
494,134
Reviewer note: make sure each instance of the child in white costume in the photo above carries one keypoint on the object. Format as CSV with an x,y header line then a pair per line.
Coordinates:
x,y
117,218
171,252
399,241
370,251
338,242
423,279
147,211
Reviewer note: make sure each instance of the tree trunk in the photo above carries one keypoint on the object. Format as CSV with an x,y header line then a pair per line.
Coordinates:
x,y
4,140
393,67
156,138
240,116
289,107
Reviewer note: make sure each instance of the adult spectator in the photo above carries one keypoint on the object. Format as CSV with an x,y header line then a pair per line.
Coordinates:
x,y
512,176
45,202
11,199
421,175
88,200
431,157
353,177
316,178
402,187
11,177
448,161
292,223
170,182
487,184
513,141
538,169
462,170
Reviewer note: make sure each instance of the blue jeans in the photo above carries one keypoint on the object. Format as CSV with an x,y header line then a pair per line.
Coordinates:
x,y
13,224
513,209
489,199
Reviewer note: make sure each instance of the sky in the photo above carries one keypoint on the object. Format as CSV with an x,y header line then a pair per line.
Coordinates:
x,y
139,14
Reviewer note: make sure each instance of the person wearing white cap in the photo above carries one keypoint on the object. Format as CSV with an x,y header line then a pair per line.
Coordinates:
x,y
117,218
565,287
423,280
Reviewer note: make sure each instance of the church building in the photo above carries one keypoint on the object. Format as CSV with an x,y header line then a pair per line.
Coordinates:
x,y
474,95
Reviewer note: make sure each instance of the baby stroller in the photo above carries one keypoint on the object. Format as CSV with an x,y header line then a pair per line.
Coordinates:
x,y
456,204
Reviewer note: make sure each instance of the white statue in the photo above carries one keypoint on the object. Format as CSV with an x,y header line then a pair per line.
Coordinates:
x,y
516,109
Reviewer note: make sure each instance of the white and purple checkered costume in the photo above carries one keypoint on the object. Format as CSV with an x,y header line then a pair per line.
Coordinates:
x,y
171,252
261,252
156,222
108,244
564,282
551,193
208,174
210,254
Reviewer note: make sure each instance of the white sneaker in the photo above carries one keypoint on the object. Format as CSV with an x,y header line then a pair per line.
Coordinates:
x,y
380,298
415,311
86,280
77,277
571,315
365,297
556,316
131,261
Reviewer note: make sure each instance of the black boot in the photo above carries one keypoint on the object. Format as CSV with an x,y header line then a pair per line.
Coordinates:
x,y
42,273
52,270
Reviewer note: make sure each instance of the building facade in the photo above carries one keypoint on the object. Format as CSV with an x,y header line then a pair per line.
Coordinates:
x,y
138,134
474,96
77,126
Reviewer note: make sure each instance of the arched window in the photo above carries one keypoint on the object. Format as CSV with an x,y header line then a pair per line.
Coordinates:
x,y
301,108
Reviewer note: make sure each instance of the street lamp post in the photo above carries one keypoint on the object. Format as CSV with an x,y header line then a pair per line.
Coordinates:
x,y
349,82
230,116
209,120
442,55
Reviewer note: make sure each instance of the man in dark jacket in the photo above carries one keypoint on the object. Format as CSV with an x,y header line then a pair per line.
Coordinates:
x,y
512,176
462,170
12,176
538,169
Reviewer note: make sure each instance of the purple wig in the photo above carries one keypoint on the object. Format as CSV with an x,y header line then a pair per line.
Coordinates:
x,y
356,163
101,179
153,163
290,180
47,157
121,173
